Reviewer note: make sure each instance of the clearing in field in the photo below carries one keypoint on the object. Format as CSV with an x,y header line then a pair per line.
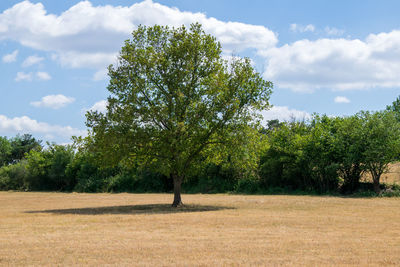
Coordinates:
x,y
142,229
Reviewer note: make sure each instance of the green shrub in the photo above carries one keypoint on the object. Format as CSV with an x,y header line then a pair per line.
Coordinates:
x,y
152,181
13,177
212,178
248,186
122,182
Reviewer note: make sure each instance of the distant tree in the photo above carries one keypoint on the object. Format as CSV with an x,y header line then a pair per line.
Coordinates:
x,y
381,132
46,168
172,97
320,157
282,164
349,148
5,150
22,144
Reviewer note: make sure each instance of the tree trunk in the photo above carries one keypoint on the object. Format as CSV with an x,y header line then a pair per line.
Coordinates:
x,y
377,188
177,191
376,175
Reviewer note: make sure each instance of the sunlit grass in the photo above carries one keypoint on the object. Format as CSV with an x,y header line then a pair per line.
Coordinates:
x,y
142,229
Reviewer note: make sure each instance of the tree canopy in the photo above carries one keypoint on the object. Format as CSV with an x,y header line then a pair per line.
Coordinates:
x,y
173,95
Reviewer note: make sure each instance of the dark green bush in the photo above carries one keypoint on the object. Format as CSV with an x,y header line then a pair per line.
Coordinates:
x,y
13,177
248,186
212,178
122,182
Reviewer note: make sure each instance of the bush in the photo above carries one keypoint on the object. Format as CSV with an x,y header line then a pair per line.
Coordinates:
x,y
59,157
13,177
151,181
86,173
37,171
248,186
212,178
122,182
91,184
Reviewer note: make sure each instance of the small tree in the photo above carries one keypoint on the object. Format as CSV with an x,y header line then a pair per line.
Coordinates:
x,y
349,148
172,96
381,132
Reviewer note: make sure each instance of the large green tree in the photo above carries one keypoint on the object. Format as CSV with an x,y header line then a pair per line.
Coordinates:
x,y
172,97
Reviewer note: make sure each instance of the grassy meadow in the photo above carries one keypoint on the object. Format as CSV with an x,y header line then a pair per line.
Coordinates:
x,y
142,229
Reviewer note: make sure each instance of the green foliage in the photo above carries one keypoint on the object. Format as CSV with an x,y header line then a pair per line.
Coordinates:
x,y
282,164
348,147
381,132
248,186
37,167
85,171
46,168
22,144
59,158
13,177
395,108
5,150
212,178
122,182
152,181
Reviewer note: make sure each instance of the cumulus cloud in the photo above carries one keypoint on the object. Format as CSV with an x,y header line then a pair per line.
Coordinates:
x,y
10,57
26,124
284,113
100,106
301,28
341,100
53,101
22,76
91,36
339,64
43,76
32,60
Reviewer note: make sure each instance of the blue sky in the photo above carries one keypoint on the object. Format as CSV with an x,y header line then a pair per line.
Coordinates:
x,y
331,57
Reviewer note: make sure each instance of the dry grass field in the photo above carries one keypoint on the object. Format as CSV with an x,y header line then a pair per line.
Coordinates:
x,y
52,229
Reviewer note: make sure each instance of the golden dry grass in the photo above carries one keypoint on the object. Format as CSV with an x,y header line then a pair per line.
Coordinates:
x,y
52,229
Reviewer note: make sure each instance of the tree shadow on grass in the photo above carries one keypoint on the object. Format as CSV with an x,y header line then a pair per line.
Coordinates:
x,y
134,209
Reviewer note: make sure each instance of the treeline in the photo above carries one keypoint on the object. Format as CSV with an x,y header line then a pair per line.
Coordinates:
x,y
323,155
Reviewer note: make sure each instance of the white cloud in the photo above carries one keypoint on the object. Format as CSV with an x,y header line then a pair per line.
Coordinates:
x,y
100,106
100,75
284,113
53,101
341,100
26,124
10,57
44,76
32,60
338,64
28,76
301,28
333,31
22,76
91,36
